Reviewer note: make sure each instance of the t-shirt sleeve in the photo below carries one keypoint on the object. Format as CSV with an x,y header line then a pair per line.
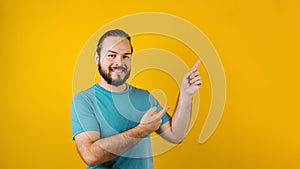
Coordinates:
x,y
166,117
82,115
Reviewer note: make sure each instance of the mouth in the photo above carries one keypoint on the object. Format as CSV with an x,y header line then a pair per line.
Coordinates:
x,y
118,69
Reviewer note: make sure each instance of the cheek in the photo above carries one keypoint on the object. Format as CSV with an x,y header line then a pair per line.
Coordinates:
x,y
105,64
128,64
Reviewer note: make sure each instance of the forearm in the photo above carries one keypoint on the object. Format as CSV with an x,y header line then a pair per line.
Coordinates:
x,y
182,116
175,130
105,149
95,150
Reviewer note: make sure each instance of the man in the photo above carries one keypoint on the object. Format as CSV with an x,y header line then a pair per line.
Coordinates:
x,y
112,120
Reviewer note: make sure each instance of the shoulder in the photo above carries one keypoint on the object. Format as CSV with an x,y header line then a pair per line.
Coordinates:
x,y
86,94
83,100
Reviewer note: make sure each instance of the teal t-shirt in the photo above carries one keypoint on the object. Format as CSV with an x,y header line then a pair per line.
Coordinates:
x,y
110,113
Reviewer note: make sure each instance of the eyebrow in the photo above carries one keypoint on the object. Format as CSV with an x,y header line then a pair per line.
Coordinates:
x,y
127,53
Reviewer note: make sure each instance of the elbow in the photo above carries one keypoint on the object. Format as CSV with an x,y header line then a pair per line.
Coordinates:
x,y
176,140
179,141
91,158
90,161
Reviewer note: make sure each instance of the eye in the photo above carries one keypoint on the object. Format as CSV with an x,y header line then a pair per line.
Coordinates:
x,y
111,55
126,57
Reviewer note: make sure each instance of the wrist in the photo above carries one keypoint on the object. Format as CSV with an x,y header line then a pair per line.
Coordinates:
x,y
185,96
141,131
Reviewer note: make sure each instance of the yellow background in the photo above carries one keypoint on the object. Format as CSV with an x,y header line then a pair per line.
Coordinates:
x,y
258,43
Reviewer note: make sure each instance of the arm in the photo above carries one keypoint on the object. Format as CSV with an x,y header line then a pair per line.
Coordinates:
x,y
95,150
175,129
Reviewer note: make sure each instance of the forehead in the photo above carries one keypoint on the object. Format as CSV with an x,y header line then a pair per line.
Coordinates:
x,y
117,44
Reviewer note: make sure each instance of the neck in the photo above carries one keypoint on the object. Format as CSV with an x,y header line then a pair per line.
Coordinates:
x,y
110,87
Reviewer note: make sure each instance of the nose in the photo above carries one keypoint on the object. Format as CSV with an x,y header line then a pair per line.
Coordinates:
x,y
118,60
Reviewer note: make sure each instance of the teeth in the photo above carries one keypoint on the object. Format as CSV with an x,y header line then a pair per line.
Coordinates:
x,y
117,70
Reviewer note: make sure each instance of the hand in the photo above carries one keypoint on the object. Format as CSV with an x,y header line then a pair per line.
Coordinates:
x,y
151,120
191,81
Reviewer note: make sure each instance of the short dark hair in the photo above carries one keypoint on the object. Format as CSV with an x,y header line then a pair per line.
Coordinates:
x,y
113,33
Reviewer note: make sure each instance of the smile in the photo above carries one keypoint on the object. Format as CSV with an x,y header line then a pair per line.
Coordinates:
x,y
118,69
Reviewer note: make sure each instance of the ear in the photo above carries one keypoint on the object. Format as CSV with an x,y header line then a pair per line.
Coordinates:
x,y
96,58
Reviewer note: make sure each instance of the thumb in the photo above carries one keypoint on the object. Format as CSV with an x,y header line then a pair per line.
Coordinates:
x,y
152,111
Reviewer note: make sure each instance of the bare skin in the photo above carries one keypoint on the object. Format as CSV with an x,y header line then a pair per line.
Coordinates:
x,y
94,150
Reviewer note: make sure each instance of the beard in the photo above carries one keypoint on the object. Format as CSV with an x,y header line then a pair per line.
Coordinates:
x,y
107,75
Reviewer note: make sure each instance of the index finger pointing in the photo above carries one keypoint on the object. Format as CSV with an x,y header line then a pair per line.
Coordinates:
x,y
196,64
164,111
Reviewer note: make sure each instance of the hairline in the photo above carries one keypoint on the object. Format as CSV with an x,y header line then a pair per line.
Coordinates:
x,y
112,33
